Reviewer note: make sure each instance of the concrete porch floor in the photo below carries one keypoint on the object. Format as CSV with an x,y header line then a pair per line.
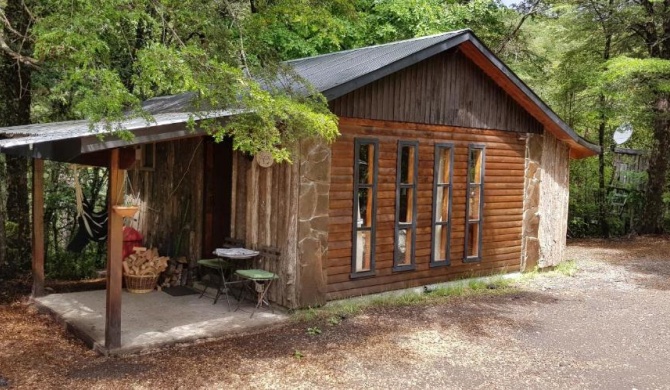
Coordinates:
x,y
155,319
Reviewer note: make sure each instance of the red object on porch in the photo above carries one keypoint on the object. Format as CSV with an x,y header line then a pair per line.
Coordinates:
x,y
131,239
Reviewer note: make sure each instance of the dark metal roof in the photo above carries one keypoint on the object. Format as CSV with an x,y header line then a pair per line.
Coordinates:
x,y
336,74
43,140
333,74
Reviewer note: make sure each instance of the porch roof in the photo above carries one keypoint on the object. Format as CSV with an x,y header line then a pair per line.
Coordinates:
x,y
64,141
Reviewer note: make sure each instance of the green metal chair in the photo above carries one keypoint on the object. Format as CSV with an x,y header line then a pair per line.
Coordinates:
x,y
217,268
260,279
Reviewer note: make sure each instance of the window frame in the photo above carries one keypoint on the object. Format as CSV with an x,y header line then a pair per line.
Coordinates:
x,y
398,226
434,262
480,220
147,164
358,142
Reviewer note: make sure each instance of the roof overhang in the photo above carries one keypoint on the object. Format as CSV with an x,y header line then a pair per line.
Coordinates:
x,y
478,53
67,141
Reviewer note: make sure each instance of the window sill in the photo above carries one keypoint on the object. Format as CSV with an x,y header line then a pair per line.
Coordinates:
x,y
363,274
401,268
439,264
472,259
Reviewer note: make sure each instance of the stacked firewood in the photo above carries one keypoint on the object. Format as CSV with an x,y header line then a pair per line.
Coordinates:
x,y
176,273
145,262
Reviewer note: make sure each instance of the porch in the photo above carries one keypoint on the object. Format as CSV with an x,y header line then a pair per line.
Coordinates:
x,y
155,319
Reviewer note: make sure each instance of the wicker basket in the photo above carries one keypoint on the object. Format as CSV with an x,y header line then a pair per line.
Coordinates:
x,y
140,284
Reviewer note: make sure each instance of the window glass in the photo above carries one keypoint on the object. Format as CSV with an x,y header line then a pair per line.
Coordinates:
x,y
441,227
363,251
405,225
475,168
404,247
365,193
407,164
475,195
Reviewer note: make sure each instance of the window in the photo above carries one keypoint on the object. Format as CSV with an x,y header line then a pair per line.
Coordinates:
x,y
405,201
148,156
442,176
365,207
474,204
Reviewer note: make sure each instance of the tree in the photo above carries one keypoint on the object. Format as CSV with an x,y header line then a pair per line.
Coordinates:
x,y
651,23
16,68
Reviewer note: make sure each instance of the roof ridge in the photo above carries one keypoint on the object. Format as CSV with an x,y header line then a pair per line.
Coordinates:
x,y
450,33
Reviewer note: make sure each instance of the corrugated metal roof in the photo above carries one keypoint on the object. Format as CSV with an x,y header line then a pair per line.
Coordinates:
x,y
333,74
329,71
58,131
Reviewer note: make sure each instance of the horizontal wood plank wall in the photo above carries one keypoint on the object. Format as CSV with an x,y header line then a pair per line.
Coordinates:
x,y
264,214
447,89
503,205
172,199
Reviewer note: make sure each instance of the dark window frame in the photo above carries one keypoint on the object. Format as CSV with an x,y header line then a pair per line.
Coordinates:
x,y
480,220
358,142
404,225
148,164
434,261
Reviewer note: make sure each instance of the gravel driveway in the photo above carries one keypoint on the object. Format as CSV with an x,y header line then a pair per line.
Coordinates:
x,y
605,327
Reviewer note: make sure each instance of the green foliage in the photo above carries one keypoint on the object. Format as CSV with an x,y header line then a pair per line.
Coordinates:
x,y
100,59
633,85
64,265
313,331
334,320
567,268
333,313
388,20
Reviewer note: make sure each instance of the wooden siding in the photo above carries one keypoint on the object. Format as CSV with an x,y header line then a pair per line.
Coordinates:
x,y
448,89
172,198
264,213
502,217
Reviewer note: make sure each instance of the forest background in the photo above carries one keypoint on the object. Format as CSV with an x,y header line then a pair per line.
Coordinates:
x,y
601,65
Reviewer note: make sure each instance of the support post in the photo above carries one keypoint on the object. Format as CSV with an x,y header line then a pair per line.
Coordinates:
x,y
38,228
114,248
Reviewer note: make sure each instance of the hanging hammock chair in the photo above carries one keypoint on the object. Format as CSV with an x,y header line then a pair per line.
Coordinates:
x,y
92,224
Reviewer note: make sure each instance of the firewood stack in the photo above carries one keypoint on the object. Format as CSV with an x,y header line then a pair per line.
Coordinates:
x,y
176,273
144,262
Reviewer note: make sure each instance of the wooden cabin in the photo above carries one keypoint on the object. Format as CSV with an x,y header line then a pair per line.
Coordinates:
x,y
447,166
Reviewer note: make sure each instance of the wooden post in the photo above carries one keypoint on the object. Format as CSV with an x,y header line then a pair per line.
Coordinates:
x,y
38,228
114,260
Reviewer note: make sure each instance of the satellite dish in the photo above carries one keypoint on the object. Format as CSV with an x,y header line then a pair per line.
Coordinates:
x,y
623,133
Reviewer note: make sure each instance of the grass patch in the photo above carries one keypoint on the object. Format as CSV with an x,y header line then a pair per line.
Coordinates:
x,y
567,268
337,311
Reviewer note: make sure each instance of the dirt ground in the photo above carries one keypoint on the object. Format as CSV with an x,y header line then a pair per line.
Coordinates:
x,y
605,327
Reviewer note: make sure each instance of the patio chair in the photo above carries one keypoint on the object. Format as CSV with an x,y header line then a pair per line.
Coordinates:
x,y
260,280
217,268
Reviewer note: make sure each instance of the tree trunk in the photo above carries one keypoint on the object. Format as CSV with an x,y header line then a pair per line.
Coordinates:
x,y
652,218
602,191
3,217
604,224
15,100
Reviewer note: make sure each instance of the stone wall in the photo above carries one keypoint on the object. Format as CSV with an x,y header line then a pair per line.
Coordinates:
x,y
545,217
312,248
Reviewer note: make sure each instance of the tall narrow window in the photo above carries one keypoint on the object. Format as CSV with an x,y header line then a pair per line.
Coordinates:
x,y
405,205
442,177
365,207
474,205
